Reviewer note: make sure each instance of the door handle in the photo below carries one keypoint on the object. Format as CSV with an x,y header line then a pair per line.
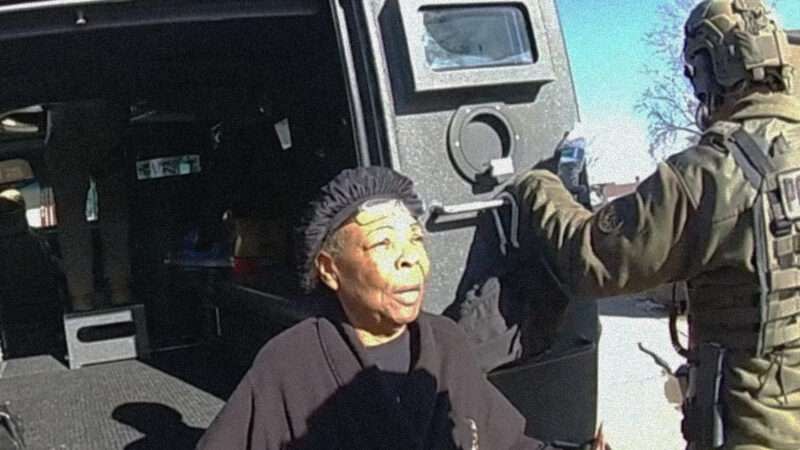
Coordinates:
x,y
505,198
438,209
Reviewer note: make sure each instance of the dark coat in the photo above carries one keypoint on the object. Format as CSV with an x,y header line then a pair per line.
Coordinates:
x,y
311,387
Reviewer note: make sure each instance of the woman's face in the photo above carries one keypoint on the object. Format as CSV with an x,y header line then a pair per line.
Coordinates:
x,y
380,269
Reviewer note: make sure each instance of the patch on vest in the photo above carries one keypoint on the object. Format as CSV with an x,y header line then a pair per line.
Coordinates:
x,y
608,221
789,183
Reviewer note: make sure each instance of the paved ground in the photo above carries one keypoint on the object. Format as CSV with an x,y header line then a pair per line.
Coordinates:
x,y
638,402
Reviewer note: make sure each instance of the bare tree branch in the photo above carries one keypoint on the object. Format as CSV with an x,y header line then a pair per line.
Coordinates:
x,y
668,103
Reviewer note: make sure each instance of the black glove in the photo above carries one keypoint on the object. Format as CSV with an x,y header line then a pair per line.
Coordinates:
x,y
549,164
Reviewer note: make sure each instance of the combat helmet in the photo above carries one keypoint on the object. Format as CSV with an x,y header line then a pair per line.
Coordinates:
x,y
731,44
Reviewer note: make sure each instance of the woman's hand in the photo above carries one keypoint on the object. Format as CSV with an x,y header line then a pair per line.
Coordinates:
x,y
599,440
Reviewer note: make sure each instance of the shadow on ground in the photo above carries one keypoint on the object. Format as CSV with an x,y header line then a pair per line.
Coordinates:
x,y
162,426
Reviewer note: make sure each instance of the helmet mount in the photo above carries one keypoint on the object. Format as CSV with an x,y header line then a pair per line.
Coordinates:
x,y
730,47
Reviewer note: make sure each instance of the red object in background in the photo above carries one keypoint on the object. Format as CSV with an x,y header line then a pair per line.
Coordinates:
x,y
244,268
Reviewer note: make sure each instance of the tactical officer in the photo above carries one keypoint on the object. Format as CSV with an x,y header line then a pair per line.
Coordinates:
x,y
724,215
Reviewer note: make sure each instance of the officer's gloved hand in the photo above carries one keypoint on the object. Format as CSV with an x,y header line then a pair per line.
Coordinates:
x,y
569,165
550,164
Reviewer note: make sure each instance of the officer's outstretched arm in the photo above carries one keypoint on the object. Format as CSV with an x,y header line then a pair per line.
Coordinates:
x,y
631,244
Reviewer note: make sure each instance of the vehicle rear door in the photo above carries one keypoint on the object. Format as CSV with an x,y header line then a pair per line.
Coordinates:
x,y
461,96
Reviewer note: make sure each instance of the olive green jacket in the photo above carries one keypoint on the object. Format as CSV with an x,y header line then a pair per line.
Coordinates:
x,y
690,220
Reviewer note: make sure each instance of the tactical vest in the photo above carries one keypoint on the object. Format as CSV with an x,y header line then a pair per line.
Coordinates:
x,y
768,317
755,320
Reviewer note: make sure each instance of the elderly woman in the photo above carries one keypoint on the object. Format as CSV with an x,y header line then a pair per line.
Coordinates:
x,y
372,371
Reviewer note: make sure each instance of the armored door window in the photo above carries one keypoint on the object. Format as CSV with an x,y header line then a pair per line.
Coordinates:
x,y
471,44
470,37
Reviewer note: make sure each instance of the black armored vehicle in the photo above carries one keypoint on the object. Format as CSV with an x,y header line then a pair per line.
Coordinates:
x,y
239,111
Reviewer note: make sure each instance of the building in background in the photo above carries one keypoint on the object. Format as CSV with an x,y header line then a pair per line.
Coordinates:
x,y
603,193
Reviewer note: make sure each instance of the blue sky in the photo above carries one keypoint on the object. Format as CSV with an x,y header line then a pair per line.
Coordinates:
x,y
606,50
